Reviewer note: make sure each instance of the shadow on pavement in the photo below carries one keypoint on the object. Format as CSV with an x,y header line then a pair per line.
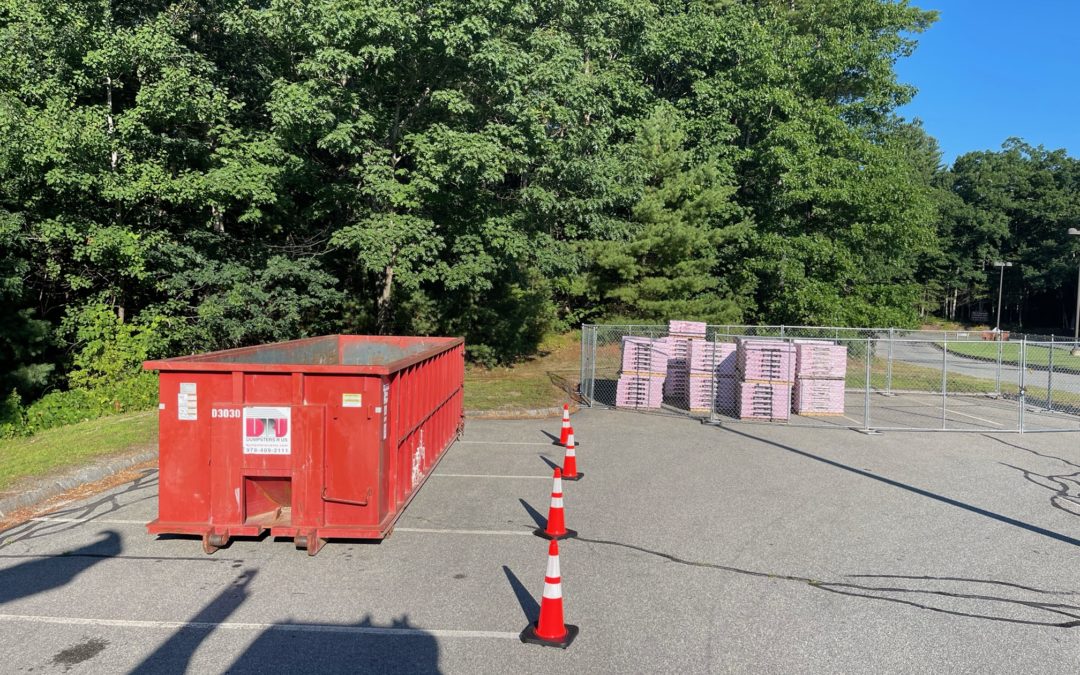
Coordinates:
x,y
911,488
528,604
363,647
537,517
174,655
46,573
956,596
77,516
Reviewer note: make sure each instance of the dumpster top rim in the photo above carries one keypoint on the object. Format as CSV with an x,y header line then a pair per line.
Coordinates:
x,y
209,361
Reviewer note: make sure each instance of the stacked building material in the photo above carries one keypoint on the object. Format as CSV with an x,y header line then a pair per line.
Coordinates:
x,y
710,377
820,369
689,329
644,368
681,334
766,371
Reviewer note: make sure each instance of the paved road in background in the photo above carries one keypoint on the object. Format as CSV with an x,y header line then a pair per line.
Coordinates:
x,y
926,355
755,548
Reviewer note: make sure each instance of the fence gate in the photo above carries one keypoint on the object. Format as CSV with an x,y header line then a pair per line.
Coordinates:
x,y
889,380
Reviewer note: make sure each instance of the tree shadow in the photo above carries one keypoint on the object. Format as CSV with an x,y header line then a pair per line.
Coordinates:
x,y
46,573
76,516
956,596
915,490
363,647
174,655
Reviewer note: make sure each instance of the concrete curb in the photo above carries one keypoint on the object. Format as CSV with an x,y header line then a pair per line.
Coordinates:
x,y
48,488
519,414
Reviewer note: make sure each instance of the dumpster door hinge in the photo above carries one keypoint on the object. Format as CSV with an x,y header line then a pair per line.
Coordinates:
x,y
351,502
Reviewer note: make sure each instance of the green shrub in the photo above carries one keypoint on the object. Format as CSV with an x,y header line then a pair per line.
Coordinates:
x,y
77,405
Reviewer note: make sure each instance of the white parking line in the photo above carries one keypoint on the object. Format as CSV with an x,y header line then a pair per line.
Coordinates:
x,y
481,475
509,443
285,627
103,521
437,531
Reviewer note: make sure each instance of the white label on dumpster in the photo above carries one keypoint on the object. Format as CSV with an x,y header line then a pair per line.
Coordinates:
x,y
267,431
351,400
187,402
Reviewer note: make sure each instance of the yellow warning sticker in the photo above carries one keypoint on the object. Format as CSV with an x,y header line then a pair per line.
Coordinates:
x,y
351,400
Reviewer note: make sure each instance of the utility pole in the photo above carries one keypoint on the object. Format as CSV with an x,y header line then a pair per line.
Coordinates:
x,y
1001,265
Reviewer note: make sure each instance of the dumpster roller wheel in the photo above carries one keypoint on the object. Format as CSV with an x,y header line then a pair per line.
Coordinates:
x,y
211,542
309,542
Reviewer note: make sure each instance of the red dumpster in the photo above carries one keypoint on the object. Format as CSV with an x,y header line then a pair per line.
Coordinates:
x,y
310,439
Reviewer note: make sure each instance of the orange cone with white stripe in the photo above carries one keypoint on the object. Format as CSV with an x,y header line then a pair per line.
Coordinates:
x,y
556,522
566,430
569,467
550,630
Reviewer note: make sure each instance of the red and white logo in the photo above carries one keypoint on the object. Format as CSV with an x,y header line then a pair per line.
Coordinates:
x,y
267,431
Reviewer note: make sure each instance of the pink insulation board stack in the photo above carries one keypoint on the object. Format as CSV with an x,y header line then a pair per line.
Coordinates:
x,y
820,360
720,391
644,368
818,397
644,355
717,358
820,368
687,328
764,401
766,361
635,391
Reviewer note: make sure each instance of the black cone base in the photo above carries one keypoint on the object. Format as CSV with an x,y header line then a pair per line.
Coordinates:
x,y
529,637
579,476
570,534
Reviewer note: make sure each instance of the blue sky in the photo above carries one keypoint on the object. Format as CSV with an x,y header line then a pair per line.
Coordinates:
x,y
991,69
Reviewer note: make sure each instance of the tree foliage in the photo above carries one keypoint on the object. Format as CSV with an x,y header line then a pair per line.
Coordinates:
x,y
180,176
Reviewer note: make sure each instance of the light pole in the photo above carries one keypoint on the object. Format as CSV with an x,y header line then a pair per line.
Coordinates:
x,y
1076,325
1001,278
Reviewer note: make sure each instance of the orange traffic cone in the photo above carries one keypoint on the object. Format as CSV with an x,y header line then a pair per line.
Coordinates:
x,y
556,522
565,432
570,471
550,630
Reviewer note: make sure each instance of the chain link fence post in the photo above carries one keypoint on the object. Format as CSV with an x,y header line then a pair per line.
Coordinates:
x,y
945,375
592,375
1050,378
1022,398
997,376
583,364
866,395
888,366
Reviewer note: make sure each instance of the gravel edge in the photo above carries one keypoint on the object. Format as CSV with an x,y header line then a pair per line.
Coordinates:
x,y
54,486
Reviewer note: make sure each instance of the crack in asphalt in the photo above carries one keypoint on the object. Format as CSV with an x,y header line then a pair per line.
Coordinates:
x,y
866,591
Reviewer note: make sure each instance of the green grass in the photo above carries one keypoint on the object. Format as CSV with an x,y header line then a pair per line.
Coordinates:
x,y
907,377
1010,353
63,447
543,381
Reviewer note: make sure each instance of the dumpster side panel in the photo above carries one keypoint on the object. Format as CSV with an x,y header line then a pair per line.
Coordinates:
x,y
184,444
425,418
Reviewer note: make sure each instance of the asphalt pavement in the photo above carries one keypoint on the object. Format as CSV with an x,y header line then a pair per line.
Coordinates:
x,y
747,548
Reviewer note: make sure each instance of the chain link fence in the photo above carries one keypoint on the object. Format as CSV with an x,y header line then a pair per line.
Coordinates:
x,y
868,379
